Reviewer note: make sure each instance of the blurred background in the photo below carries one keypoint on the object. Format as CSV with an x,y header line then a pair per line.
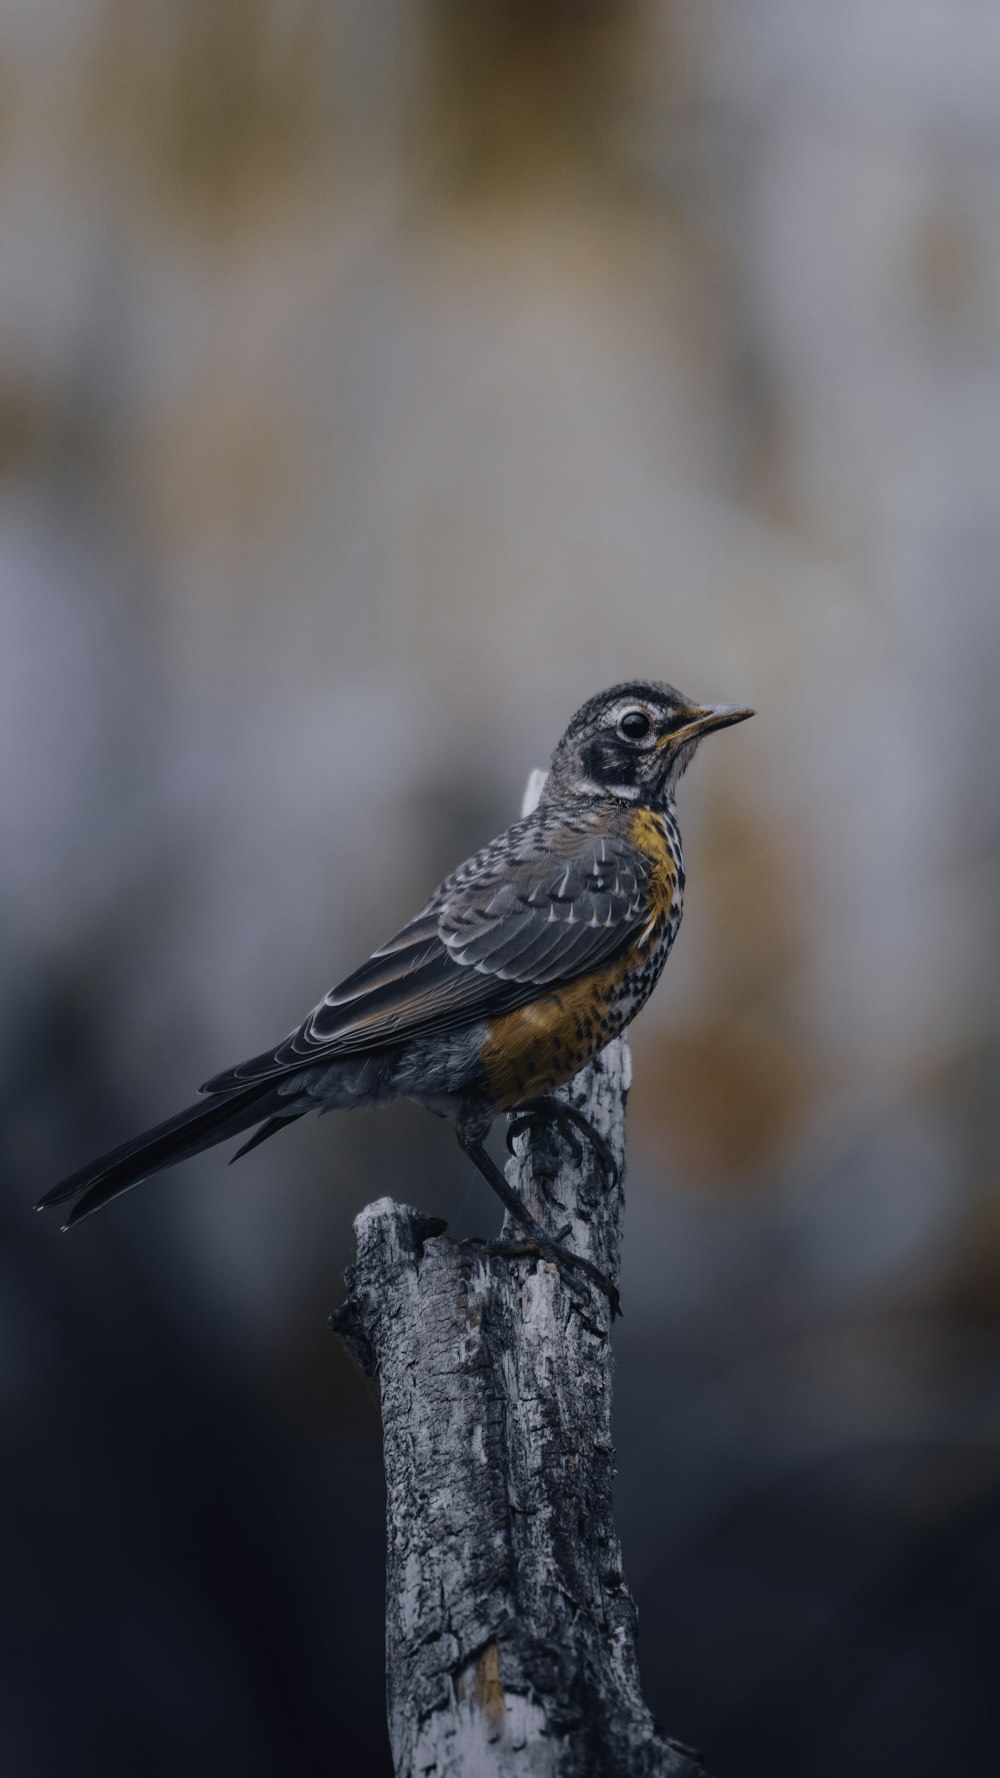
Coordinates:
x,y
376,383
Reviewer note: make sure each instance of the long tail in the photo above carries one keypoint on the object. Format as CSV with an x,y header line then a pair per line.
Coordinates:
x,y
192,1130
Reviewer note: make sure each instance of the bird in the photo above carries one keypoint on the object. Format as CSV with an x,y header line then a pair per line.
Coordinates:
x,y
525,962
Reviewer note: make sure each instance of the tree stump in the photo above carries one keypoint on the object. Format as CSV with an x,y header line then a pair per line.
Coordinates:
x,y
510,1640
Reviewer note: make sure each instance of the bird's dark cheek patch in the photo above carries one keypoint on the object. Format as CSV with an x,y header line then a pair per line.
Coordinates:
x,y
607,761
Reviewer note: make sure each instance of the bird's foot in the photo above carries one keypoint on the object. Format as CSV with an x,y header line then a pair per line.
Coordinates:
x,y
571,1124
536,1244
534,1241
568,1264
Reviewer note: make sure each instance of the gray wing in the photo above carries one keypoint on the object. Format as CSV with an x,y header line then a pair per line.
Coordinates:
x,y
531,911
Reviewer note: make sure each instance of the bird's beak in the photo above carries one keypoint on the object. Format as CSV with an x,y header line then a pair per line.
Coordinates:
x,y
702,718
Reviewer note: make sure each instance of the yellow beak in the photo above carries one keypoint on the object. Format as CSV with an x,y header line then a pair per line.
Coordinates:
x,y
705,717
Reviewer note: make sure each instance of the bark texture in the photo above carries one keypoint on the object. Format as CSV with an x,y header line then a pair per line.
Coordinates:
x,y
510,1630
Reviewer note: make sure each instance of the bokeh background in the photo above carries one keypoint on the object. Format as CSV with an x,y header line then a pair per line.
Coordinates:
x,y
377,381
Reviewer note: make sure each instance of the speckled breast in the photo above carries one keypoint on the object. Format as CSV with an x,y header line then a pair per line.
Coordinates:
x,y
535,1048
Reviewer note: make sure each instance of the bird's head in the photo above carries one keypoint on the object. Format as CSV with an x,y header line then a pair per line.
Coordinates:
x,y
633,742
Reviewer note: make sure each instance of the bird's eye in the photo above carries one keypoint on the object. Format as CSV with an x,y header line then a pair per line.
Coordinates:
x,y
634,725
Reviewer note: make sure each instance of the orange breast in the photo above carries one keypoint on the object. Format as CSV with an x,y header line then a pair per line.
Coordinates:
x,y
537,1047
647,832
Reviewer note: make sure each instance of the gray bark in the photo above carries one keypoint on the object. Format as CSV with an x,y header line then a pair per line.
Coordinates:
x,y
510,1630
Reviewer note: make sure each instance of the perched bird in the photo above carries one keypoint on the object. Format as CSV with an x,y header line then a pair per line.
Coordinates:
x,y
527,960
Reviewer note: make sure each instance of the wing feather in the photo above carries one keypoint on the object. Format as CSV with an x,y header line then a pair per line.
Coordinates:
x,y
526,914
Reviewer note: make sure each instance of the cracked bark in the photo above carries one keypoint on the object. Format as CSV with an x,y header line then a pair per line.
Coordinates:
x,y
510,1632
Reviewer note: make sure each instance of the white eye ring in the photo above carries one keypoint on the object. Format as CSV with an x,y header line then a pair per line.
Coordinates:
x,y
641,725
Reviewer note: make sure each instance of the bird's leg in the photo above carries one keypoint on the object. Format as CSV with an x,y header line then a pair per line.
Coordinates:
x,y
536,1242
568,1121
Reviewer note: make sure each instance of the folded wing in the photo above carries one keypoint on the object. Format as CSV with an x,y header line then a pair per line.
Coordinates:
x,y
523,915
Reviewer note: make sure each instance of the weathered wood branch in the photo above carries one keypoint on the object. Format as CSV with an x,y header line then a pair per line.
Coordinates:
x,y
510,1630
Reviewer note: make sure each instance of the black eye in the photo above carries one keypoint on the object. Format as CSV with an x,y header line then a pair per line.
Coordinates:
x,y
634,725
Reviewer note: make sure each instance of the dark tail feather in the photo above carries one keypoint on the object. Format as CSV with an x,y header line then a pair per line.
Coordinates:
x,y
271,1128
192,1130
